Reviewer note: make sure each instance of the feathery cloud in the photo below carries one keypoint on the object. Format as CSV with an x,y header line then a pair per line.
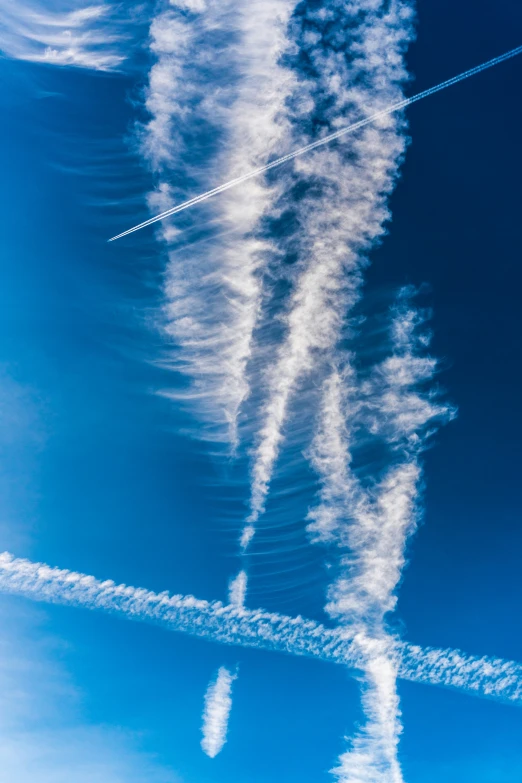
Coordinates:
x,y
70,34
343,212
320,142
372,524
217,76
340,495
372,757
237,589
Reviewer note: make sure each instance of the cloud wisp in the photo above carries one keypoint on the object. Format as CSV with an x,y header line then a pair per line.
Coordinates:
x,y
347,517
372,757
218,703
344,210
396,107
237,589
371,524
72,34
487,677
215,99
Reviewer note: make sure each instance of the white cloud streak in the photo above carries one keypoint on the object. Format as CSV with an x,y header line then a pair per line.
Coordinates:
x,y
218,703
486,677
372,757
237,589
69,34
374,530
338,226
217,73
340,496
324,140
372,525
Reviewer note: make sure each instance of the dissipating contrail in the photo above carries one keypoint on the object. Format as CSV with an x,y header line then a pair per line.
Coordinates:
x,y
325,140
232,625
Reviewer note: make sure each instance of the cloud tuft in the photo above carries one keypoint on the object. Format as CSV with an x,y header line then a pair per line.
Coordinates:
x,y
218,703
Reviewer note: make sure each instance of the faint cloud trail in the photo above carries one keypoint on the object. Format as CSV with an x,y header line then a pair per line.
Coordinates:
x,y
486,677
325,140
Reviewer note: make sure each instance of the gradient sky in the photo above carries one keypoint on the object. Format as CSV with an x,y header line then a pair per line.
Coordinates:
x,y
103,473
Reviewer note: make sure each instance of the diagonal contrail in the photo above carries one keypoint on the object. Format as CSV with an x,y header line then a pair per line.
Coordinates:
x,y
325,140
486,677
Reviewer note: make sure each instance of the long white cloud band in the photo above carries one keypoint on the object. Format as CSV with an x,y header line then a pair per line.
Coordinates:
x,y
228,624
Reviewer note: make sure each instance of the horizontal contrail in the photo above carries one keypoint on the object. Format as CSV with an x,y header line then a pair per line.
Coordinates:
x,y
486,677
325,140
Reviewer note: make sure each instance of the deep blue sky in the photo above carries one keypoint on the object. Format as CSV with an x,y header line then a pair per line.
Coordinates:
x,y
97,477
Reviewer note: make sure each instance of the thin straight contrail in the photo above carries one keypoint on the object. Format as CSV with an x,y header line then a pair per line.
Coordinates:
x,y
492,678
325,140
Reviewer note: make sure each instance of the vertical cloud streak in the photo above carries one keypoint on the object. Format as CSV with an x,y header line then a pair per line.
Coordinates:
x,y
218,703
218,85
372,524
237,589
356,68
372,757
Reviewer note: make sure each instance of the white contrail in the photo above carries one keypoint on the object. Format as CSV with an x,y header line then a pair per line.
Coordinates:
x,y
379,521
218,703
342,210
487,677
372,757
372,524
325,140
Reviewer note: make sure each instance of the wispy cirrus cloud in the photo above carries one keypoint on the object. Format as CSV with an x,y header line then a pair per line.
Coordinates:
x,y
177,208
217,87
259,101
340,494
372,757
218,703
371,524
69,33
343,211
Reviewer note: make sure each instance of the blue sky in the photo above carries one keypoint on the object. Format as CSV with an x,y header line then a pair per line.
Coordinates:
x,y
141,383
